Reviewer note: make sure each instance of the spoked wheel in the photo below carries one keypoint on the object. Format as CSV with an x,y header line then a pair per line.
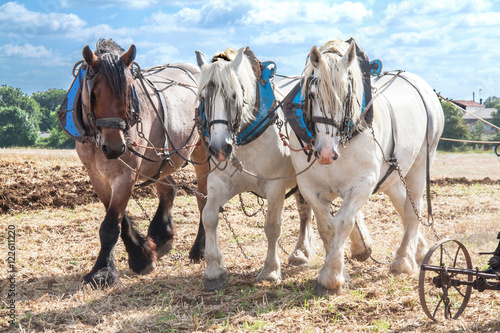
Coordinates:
x,y
439,286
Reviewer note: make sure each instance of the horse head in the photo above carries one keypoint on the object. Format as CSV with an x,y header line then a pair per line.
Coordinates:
x,y
228,92
106,95
334,95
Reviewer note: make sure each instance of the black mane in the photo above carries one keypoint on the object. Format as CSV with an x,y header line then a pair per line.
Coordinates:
x,y
111,65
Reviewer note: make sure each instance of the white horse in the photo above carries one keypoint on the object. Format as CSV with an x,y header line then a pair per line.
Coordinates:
x,y
228,92
407,124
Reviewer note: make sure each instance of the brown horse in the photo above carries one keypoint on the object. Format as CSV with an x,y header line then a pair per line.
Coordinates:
x,y
124,113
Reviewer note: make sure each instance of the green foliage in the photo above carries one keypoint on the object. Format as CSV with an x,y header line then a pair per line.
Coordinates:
x,y
15,97
492,102
49,102
17,127
477,130
495,120
454,128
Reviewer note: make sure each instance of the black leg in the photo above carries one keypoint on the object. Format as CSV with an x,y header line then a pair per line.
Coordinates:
x,y
104,272
141,251
197,251
161,231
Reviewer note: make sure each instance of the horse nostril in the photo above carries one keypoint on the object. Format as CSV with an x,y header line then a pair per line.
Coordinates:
x,y
122,150
228,150
104,149
212,151
316,154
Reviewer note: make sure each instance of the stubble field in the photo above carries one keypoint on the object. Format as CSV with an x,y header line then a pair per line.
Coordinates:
x,y
47,198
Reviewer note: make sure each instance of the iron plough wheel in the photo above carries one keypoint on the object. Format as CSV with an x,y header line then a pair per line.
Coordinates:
x,y
440,288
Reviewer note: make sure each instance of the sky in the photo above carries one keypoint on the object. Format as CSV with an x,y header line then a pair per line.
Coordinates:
x,y
454,44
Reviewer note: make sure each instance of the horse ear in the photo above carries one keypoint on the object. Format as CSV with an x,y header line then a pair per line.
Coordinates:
x,y
129,56
200,58
253,61
90,58
349,56
237,61
315,56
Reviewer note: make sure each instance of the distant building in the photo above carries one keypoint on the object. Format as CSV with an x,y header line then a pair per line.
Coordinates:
x,y
478,110
485,114
470,106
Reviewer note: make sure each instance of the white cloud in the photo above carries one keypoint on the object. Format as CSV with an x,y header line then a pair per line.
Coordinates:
x,y
297,12
157,55
111,3
25,51
15,18
488,19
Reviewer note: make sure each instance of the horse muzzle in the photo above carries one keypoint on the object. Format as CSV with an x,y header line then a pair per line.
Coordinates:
x,y
222,152
112,143
326,156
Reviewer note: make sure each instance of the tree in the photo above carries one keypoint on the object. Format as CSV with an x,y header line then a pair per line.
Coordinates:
x,y
58,138
17,127
15,97
49,101
495,120
492,102
454,128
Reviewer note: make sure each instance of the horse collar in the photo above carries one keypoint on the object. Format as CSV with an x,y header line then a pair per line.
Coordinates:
x,y
72,111
265,105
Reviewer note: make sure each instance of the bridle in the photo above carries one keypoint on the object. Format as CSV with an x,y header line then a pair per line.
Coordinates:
x,y
345,126
233,125
95,124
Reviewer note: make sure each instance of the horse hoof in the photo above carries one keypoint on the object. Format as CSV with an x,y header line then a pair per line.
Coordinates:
x,y
363,255
322,291
217,283
148,269
298,258
196,255
164,249
101,279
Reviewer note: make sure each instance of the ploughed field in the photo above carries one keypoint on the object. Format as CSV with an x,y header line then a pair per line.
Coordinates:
x,y
47,197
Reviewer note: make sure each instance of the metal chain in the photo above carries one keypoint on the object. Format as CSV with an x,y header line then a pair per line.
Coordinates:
x,y
243,208
235,237
395,163
136,198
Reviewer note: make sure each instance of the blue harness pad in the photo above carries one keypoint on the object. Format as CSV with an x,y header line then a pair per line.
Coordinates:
x,y
68,115
266,108
265,115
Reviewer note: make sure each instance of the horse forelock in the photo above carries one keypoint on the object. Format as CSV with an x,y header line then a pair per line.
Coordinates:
x,y
334,80
112,67
224,79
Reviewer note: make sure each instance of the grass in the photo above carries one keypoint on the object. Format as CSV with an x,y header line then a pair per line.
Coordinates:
x,y
57,246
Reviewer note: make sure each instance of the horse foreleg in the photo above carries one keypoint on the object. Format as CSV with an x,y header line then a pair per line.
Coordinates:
x,y
272,228
361,242
202,168
303,251
216,276
104,272
141,251
413,245
332,276
161,229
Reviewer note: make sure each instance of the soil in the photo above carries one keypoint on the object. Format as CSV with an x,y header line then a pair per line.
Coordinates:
x,y
28,185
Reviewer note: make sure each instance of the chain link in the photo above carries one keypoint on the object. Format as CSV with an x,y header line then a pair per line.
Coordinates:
x,y
394,162
223,213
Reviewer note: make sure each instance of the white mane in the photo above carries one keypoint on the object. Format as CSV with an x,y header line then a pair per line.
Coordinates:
x,y
226,79
334,81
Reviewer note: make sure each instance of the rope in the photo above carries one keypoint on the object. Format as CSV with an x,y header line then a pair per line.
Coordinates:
x,y
161,182
471,141
469,113
239,166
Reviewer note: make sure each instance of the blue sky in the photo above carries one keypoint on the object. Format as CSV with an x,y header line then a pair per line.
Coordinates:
x,y
453,44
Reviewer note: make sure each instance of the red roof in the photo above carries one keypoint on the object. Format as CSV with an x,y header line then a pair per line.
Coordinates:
x,y
467,103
